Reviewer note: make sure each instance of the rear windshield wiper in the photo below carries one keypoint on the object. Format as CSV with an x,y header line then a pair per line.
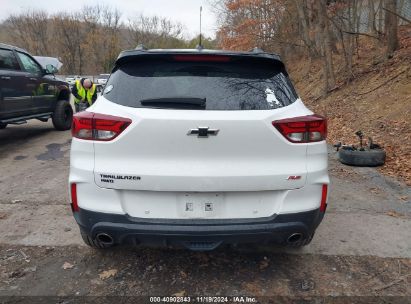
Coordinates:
x,y
191,103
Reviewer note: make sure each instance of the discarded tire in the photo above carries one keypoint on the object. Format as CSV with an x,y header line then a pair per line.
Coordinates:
x,y
367,158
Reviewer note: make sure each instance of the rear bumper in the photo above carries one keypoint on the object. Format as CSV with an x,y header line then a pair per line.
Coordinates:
x,y
198,234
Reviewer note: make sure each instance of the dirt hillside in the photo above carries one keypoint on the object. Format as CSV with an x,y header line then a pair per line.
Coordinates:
x,y
377,101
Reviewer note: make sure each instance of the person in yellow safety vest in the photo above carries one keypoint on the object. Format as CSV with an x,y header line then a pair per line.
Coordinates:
x,y
84,90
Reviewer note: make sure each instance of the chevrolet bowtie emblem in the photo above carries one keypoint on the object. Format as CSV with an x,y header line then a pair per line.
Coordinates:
x,y
203,132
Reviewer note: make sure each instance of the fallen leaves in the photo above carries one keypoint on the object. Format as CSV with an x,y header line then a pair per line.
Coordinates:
x,y
183,274
107,274
180,294
392,283
67,265
375,190
394,214
16,274
264,263
253,288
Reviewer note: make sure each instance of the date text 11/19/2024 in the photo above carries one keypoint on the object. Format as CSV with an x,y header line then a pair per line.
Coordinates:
x,y
203,299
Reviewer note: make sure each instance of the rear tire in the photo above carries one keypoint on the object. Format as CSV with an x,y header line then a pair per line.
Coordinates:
x,y
367,158
3,125
89,241
63,116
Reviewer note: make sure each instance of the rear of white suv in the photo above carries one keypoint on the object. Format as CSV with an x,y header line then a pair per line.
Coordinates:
x,y
198,148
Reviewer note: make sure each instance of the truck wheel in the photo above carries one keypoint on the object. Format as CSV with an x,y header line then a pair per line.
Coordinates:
x,y
3,125
367,158
63,116
91,242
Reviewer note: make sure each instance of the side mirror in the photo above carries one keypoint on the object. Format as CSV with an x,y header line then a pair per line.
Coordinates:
x,y
51,69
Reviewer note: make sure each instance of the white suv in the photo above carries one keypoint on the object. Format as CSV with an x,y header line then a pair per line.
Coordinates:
x,y
197,148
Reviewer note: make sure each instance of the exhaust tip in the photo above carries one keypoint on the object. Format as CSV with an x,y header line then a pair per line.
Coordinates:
x,y
105,239
295,237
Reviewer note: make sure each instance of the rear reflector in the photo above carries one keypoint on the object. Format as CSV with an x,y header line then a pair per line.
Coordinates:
x,y
202,58
303,129
74,203
100,127
323,205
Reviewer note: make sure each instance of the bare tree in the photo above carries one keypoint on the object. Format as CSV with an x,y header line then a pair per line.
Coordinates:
x,y
302,10
371,17
324,34
110,36
31,28
154,32
391,27
72,36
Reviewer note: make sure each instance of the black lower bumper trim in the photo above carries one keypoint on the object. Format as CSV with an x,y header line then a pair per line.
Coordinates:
x,y
197,233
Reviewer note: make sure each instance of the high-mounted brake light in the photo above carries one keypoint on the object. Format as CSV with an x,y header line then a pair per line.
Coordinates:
x,y
202,58
323,205
303,129
73,192
99,127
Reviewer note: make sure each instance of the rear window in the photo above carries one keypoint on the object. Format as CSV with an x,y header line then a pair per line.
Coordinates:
x,y
237,85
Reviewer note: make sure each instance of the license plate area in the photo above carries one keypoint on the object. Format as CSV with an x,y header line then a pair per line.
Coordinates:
x,y
201,205
192,205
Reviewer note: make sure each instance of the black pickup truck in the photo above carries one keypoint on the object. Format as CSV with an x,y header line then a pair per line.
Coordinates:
x,y
28,91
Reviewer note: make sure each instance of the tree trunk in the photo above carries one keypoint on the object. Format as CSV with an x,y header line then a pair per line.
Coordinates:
x,y
371,17
350,43
324,28
302,17
380,17
391,27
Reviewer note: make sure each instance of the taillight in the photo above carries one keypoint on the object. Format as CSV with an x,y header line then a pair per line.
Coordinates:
x,y
73,193
303,129
323,205
100,127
